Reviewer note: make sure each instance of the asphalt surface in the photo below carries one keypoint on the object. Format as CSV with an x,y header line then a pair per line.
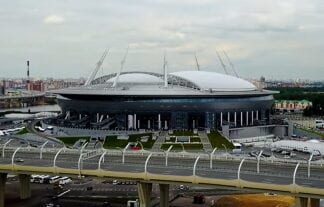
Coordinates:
x,y
275,173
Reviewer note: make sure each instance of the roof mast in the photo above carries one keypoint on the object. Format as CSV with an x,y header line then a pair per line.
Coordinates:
x,y
165,71
231,64
222,63
122,63
197,64
98,65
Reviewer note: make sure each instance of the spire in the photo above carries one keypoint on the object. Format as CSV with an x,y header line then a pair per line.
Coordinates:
x,y
122,63
165,71
98,65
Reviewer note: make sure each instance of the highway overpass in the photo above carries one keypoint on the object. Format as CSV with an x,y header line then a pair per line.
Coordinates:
x,y
303,179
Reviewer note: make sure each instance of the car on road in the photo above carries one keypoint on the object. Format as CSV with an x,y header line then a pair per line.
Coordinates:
x,y
18,159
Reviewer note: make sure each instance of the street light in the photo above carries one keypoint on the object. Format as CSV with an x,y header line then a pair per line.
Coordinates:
x,y
225,150
183,149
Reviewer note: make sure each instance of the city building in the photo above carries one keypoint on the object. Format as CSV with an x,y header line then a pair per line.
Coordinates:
x,y
292,105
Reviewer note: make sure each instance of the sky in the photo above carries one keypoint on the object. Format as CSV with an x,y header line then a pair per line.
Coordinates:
x,y
65,38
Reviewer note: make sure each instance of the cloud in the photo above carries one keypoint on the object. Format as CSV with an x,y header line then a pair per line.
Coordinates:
x,y
54,19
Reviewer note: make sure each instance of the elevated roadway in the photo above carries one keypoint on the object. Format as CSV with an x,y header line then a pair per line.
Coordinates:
x,y
302,178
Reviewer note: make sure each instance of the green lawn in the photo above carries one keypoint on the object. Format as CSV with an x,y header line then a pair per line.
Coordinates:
x,y
178,147
217,140
113,142
321,135
71,140
23,131
194,139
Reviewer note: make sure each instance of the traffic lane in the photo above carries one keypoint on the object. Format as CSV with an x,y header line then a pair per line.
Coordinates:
x,y
170,170
34,162
126,167
310,182
265,177
226,174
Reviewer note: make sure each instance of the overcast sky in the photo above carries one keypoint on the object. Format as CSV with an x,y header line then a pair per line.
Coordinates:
x,y
274,38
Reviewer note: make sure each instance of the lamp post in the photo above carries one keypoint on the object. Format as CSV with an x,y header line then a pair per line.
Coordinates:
x,y
225,150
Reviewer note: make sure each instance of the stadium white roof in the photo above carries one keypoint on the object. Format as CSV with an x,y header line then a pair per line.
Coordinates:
x,y
202,80
179,83
215,81
137,78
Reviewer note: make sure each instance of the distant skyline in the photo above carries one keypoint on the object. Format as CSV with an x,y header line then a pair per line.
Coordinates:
x,y
64,39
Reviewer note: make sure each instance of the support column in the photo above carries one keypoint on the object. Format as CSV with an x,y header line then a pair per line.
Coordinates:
x,y
235,119
307,202
138,124
228,117
247,118
135,121
130,121
24,186
241,118
257,115
165,124
164,195
221,119
159,121
97,117
144,193
193,124
149,124
252,113
3,179
314,202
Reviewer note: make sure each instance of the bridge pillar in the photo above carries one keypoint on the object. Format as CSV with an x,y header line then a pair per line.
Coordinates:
x,y
307,202
164,195
3,179
144,193
24,180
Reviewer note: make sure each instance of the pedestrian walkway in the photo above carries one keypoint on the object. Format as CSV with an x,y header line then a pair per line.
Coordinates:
x,y
159,141
205,141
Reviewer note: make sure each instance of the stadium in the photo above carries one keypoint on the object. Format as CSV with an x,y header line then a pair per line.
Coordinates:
x,y
163,101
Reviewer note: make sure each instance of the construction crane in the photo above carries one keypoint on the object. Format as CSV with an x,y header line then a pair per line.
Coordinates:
x,y
122,63
231,64
222,62
98,65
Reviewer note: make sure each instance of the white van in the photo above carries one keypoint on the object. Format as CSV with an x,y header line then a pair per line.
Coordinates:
x,y
64,180
237,147
54,179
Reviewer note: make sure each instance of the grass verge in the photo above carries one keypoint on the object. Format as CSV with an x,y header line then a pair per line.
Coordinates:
x,y
113,142
217,140
71,140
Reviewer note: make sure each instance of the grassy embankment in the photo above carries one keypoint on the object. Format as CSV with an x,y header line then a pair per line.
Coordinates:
x,y
23,131
70,141
113,142
217,140
319,134
187,146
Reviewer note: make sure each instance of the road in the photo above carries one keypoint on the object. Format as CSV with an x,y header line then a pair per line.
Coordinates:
x,y
270,173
